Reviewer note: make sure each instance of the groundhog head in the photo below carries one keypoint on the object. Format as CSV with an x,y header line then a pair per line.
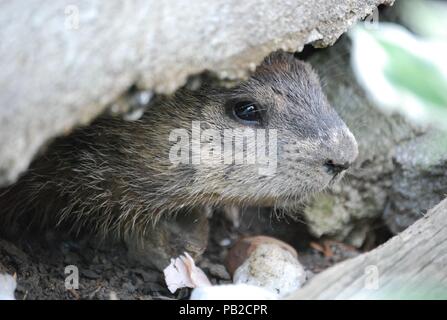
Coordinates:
x,y
273,140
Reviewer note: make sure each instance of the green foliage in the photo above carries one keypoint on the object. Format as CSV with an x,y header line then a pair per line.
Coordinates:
x,y
403,72
418,75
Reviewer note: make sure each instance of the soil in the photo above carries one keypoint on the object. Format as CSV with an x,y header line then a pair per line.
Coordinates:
x,y
105,272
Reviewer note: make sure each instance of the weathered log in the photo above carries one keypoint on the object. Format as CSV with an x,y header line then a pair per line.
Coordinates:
x,y
412,264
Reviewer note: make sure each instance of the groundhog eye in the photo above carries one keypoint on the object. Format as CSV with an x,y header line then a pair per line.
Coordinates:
x,y
247,111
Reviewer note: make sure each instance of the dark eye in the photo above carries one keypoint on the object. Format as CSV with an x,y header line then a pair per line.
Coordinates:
x,y
247,111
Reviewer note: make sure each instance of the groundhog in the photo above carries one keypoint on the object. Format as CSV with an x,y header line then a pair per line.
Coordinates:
x,y
119,178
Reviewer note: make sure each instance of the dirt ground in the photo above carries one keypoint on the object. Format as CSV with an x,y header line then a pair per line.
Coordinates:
x,y
105,272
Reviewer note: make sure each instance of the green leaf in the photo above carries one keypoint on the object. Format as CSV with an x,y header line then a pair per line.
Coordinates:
x,y
415,74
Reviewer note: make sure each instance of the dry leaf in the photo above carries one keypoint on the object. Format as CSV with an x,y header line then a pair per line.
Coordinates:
x,y
182,272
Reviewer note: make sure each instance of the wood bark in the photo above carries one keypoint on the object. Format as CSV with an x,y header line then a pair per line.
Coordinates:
x,y
411,265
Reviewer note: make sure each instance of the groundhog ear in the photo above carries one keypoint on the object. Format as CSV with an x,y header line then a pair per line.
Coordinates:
x,y
279,59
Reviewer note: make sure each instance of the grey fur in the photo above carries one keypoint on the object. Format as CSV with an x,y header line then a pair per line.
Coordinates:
x,y
114,177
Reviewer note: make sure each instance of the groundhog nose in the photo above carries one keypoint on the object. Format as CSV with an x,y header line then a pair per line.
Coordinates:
x,y
335,168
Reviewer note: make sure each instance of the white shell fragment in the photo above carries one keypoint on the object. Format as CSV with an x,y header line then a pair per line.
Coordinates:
x,y
232,292
7,287
182,272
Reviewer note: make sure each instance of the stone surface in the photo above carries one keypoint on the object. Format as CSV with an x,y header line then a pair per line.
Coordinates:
x,y
346,211
419,179
401,169
272,267
63,62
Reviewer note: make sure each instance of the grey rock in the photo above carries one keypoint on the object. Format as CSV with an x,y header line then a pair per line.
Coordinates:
x,y
400,173
64,61
419,179
346,211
